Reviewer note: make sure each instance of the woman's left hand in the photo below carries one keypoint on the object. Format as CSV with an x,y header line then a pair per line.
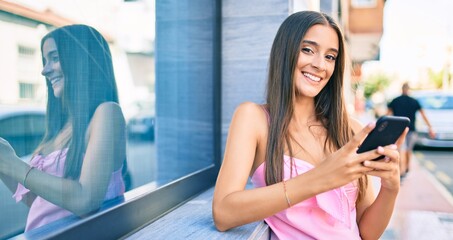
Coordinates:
x,y
388,168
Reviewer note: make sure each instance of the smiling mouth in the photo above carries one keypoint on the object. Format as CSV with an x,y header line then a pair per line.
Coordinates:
x,y
312,77
53,81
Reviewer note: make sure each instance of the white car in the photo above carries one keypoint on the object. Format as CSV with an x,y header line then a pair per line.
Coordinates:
x,y
438,106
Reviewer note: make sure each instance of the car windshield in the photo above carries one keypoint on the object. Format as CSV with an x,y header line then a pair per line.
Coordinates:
x,y
436,102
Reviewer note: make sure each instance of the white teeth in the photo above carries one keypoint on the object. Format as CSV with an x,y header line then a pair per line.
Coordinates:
x,y
54,80
312,77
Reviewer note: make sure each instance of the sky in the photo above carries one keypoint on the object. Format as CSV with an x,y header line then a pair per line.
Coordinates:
x,y
131,23
416,36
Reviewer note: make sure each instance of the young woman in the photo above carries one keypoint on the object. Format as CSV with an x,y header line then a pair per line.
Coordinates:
x,y
79,163
300,147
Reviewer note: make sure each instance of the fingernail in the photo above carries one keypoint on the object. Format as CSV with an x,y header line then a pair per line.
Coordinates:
x,y
387,159
366,163
380,149
393,146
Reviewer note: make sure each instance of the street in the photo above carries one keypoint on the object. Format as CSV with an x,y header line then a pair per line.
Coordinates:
x,y
439,162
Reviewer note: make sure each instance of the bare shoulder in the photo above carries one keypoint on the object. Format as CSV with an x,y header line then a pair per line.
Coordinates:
x,y
251,112
355,124
108,115
251,116
250,109
109,110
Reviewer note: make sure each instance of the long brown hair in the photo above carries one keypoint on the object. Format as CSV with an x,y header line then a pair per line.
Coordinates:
x,y
329,105
89,81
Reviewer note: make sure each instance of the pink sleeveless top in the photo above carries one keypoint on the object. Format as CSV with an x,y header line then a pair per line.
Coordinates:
x,y
329,215
41,211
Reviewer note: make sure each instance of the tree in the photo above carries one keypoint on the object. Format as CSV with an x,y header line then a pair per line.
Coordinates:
x,y
375,83
436,78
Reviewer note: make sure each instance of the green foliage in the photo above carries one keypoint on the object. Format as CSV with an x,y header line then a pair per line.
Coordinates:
x,y
436,78
375,83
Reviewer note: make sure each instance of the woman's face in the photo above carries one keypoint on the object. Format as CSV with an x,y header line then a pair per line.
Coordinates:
x,y
52,69
316,62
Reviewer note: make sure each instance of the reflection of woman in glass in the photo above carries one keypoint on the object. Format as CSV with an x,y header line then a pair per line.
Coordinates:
x,y
79,163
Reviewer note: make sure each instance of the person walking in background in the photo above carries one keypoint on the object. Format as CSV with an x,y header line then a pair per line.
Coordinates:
x,y
300,147
79,163
407,106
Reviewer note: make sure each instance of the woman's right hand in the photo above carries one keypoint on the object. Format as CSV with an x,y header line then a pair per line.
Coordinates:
x,y
346,165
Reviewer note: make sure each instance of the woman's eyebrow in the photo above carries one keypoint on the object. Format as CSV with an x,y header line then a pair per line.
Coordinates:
x,y
317,45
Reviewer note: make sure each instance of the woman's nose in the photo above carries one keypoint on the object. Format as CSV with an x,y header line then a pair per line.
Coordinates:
x,y
319,63
46,70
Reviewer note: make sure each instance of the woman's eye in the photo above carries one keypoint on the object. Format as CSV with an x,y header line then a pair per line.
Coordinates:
x,y
331,57
307,50
55,58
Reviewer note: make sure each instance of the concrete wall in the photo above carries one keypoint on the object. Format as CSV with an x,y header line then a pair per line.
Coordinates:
x,y
248,30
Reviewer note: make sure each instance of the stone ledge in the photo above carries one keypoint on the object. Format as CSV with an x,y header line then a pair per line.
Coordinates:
x,y
193,220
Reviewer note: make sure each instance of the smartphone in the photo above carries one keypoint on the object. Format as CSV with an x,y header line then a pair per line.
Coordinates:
x,y
387,131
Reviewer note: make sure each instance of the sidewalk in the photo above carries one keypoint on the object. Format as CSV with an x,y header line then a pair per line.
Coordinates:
x,y
424,208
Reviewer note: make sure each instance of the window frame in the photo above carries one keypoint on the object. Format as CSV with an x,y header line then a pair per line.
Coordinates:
x,y
130,216
146,205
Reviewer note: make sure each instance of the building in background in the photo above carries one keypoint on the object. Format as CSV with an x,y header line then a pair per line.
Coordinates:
x,y
21,29
363,22
131,41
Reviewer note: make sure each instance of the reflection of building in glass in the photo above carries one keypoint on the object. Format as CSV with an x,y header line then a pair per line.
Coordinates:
x,y
26,77
26,23
21,58
22,86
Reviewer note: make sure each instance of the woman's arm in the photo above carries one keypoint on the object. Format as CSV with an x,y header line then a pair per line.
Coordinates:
x,y
234,206
105,151
12,186
373,214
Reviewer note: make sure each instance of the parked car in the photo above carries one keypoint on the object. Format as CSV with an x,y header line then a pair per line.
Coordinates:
x,y
23,128
141,126
438,106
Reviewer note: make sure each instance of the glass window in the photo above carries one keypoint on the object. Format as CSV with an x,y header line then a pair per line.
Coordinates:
x,y
364,3
167,88
27,90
